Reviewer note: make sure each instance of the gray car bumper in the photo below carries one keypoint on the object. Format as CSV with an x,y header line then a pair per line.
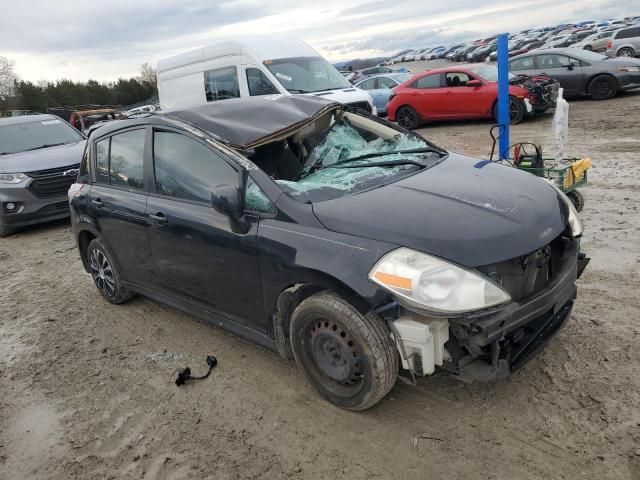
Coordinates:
x,y
31,209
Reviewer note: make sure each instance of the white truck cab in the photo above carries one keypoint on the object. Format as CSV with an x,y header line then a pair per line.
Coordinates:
x,y
250,67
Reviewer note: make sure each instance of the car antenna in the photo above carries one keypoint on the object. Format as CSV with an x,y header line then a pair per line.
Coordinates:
x,y
184,374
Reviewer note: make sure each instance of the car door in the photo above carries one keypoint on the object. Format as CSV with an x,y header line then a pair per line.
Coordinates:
x,y
563,68
118,200
199,257
425,95
461,101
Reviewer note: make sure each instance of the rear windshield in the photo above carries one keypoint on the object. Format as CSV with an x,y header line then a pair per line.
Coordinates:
x,y
20,137
306,74
355,153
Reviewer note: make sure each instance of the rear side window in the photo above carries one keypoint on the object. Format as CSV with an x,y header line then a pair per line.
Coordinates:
x,y
428,81
221,84
126,159
525,63
259,84
368,84
628,33
187,169
384,82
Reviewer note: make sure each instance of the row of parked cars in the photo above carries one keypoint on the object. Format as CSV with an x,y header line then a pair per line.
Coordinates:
x,y
615,37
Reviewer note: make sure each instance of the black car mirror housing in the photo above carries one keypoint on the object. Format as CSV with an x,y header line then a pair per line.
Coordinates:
x,y
228,200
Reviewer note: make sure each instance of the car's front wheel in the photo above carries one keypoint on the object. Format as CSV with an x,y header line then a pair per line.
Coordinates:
x,y
603,87
6,230
408,117
349,358
516,110
104,273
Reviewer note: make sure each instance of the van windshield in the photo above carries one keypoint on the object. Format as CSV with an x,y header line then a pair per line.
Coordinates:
x,y
306,74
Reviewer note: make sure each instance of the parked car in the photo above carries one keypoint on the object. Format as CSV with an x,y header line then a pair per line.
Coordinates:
x,y
379,87
435,53
39,158
461,54
559,41
84,117
596,42
581,72
465,92
252,66
350,244
624,42
481,53
359,75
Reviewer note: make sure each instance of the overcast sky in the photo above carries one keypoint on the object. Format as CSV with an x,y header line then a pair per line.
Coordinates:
x,y
108,39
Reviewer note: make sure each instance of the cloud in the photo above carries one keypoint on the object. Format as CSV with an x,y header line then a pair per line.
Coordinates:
x,y
82,39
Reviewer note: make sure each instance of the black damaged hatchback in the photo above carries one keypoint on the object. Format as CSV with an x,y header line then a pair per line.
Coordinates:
x,y
340,240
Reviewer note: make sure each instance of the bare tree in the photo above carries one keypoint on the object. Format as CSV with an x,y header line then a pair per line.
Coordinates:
x,y
147,74
7,78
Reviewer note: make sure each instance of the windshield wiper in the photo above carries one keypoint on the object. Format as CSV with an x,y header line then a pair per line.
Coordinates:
x,y
389,163
382,154
47,145
297,90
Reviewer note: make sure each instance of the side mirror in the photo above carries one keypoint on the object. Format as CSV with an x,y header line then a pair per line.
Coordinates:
x,y
569,66
227,199
474,83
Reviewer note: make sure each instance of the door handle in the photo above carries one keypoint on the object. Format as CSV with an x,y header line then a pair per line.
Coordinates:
x,y
158,218
97,202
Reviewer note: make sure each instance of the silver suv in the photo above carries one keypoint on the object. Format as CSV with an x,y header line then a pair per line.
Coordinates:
x,y
624,42
39,158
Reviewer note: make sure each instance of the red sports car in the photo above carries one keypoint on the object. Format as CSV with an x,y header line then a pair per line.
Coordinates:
x,y
465,92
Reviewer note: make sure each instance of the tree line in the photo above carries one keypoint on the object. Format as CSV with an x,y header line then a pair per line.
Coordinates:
x,y
16,94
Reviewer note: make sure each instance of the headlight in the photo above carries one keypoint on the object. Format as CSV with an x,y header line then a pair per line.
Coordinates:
x,y
12,177
439,287
574,220
629,69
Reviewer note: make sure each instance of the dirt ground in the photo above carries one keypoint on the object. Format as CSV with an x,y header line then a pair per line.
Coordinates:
x,y
87,387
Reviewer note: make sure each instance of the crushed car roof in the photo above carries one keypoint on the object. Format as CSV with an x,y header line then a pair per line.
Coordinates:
x,y
246,122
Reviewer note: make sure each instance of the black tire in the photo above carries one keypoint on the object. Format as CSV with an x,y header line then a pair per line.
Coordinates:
x,y
517,110
350,359
407,117
104,273
602,87
6,230
626,52
577,199
588,47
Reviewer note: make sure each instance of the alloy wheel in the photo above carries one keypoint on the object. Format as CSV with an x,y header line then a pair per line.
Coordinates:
x,y
407,118
102,272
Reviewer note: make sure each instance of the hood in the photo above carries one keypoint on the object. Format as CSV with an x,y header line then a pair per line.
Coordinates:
x,y
465,210
42,159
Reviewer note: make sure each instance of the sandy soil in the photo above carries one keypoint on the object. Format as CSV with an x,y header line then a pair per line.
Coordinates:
x,y
87,387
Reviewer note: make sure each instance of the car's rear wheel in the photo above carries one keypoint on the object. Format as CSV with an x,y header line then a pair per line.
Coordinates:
x,y
626,52
588,47
577,199
516,110
349,358
407,117
104,273
603,87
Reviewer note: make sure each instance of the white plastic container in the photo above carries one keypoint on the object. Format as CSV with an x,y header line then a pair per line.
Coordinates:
x,y
418,344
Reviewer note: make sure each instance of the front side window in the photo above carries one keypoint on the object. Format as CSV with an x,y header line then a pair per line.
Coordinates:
x,y
259,84
368,84
126,159
306,74
386,82
457,79
23,136
428,81
221,84
187,169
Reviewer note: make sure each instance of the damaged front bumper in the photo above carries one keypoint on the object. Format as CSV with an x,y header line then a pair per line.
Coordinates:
x,y
490,345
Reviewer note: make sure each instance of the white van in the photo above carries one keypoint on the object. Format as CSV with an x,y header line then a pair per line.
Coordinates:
x,y
249,67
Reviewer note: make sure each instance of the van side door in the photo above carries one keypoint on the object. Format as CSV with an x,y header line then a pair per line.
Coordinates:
x,y
199,258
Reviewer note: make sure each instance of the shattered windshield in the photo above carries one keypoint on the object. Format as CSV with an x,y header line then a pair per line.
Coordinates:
x,y
355,153
306,74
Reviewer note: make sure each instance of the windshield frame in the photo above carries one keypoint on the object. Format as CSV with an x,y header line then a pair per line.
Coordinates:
x,y
341,81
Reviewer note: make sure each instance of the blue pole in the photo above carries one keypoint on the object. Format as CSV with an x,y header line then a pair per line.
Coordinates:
x,y
503,96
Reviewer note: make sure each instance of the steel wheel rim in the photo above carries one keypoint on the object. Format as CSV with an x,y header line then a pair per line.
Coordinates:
x,y
102,273
514,111
336,355
406,118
